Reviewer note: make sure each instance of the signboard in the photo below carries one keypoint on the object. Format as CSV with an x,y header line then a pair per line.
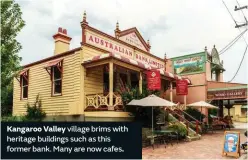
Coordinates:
x,y
116,47
231,145
189,64
133,39
227,94
153,80
182,87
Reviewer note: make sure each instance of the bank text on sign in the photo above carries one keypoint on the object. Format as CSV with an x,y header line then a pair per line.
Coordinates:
x,y
128,52
182,87
153,80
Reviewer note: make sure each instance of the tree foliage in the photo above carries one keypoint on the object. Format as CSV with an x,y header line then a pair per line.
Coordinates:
x,y
141,114
11,25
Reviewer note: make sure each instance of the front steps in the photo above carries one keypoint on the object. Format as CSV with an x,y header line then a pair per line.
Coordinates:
x,y
192,134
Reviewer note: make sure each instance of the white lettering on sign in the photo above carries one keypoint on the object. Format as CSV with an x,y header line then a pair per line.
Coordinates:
x,y
188,60
133,39
115,47
107,45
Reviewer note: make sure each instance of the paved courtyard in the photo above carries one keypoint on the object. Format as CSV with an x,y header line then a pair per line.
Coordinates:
x,y
209,147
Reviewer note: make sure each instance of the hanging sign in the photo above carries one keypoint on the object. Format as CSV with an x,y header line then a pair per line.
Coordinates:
x,y
182,87
231,145
153,80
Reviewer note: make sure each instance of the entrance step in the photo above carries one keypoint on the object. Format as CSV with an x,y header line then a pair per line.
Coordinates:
x,y
192,134
193,138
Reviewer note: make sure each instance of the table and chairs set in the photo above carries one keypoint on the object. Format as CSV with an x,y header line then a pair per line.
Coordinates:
x,y
163,136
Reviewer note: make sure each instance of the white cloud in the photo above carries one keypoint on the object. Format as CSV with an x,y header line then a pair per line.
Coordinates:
x,y
176,27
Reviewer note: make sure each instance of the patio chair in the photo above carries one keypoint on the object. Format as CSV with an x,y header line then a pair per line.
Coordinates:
x,y
156,140
149,140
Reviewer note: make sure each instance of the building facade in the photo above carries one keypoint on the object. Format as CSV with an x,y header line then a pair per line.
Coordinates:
x,y
82,83
205,71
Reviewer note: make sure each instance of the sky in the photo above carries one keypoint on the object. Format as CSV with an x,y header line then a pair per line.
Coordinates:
x,y
175,27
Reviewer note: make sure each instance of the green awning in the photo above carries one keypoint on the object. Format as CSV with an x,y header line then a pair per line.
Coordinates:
x,y
244,106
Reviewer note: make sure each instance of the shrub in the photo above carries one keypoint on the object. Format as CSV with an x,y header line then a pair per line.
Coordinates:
x,y
34,112
179,128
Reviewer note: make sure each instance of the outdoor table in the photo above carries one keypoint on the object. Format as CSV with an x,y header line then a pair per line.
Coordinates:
x,y
167,133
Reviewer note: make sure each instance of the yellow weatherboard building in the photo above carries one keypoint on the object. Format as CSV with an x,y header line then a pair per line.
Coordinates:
x,y
82,83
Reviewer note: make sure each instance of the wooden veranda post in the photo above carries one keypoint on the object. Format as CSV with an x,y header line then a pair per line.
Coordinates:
x,y
111,84
185,100
140,82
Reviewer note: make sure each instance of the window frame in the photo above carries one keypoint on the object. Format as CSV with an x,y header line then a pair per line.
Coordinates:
x,y
60,68
22,77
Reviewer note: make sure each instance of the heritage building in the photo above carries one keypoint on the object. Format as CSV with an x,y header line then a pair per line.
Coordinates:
x,y
205,71
82,83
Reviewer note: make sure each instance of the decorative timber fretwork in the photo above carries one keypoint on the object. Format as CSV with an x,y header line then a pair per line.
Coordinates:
x,y
100,101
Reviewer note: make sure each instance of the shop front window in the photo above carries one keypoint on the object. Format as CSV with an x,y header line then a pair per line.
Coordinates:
x,y
123,80
106,82
134,80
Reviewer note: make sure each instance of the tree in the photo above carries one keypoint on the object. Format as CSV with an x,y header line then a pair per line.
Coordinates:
x,y
11,25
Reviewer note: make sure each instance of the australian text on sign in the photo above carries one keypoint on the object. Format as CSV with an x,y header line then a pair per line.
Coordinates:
x,y
56,129
122,50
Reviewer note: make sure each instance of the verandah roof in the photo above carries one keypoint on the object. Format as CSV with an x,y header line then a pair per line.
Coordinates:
x,y
53,63
132,62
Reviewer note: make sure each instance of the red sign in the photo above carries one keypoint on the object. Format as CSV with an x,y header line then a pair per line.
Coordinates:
x,y
182,87
153,80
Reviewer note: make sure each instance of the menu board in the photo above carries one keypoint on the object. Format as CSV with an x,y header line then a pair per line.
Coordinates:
x,y
231,145
153,80
182,87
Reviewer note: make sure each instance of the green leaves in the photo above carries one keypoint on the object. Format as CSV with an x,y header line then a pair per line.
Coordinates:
x,y
179,128
11,25
34,112
143,115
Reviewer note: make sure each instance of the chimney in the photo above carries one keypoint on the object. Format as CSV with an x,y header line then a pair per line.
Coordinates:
x,y
62,41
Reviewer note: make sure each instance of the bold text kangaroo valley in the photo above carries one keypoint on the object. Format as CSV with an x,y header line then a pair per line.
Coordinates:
x,y
57,129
